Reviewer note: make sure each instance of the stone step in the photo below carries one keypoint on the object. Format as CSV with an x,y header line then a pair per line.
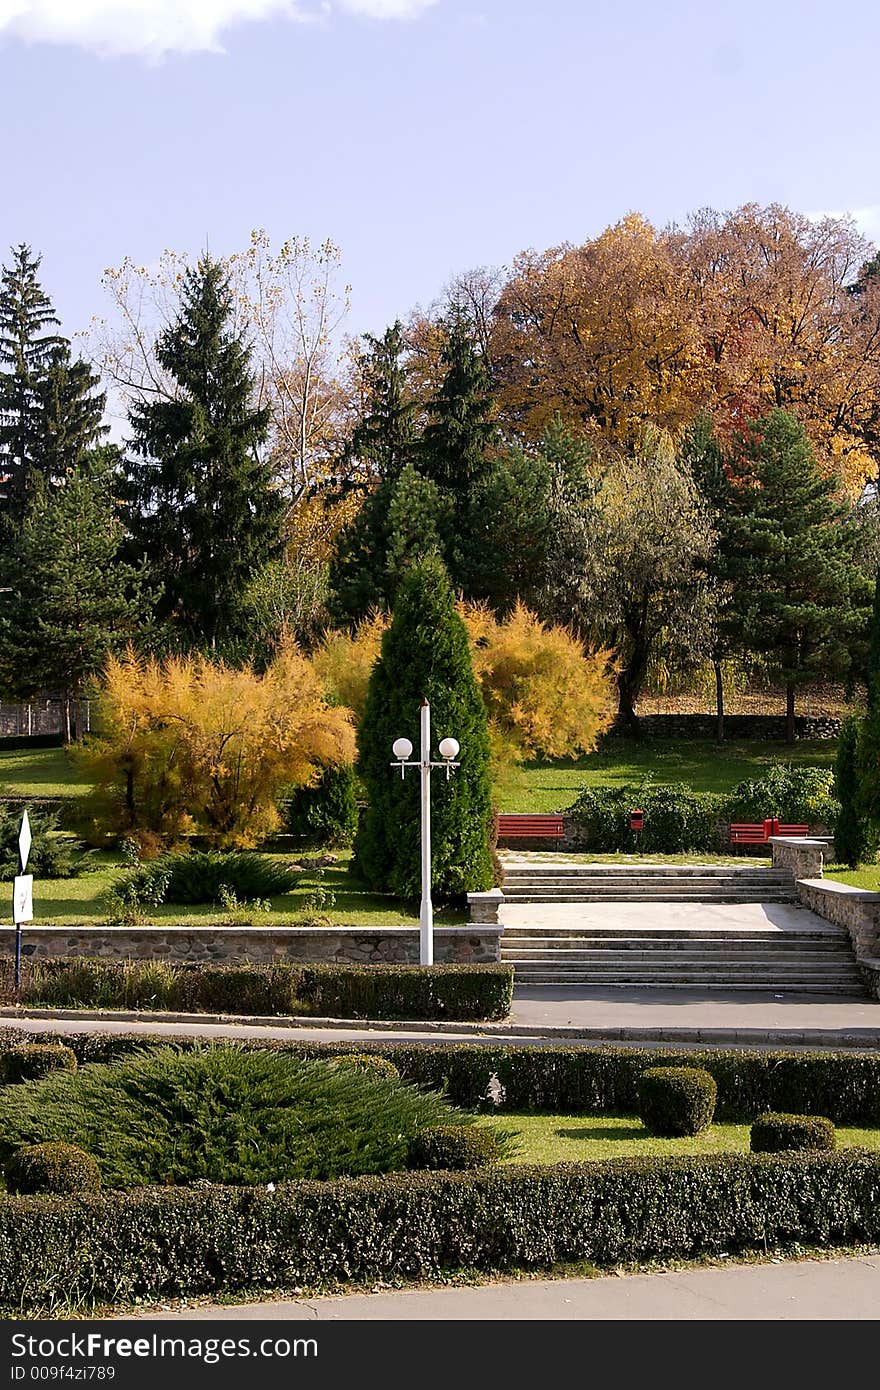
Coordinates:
x,y
665,935
790,986
678,951
635,961
637,896
528,871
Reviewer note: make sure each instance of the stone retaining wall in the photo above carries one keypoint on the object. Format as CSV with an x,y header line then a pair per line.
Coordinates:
x,y
468,945
853,908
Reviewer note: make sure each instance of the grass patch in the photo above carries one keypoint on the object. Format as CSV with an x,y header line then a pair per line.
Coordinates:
x,y
868,876
78,901
704,766
40,772
576,1138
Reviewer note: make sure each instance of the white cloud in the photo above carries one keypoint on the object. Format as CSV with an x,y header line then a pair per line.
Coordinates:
x,y
153,28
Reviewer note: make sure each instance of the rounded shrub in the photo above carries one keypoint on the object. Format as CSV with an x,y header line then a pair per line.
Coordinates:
x,y
33,1061
775,1133
59,1168
222,1114
455,1146
675,1101
328,812
368,1062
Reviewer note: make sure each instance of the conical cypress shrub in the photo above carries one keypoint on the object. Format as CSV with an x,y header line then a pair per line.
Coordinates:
x,y
425,655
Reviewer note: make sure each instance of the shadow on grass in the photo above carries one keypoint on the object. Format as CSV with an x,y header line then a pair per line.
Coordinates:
x,y
603,1132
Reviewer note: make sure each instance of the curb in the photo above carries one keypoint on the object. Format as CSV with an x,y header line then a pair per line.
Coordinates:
x,y
866,1039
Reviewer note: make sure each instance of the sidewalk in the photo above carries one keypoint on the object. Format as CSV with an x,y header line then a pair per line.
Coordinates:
x,y
549,1013
845,1290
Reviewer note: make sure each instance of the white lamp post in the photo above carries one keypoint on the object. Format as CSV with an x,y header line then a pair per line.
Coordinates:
x,y
402,750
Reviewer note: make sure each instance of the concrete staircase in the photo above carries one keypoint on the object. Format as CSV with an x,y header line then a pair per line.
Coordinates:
x,y
637,883
790,950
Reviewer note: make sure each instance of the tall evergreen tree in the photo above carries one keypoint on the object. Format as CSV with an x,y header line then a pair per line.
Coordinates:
x,y
70,599
384,438
455,451
383,444
51,411
700,451
198,497
425,656
799,595
868,751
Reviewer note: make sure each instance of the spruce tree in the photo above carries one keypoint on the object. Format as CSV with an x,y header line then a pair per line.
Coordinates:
x,y
701,452
199,503
425,655
851,835
382,445
72,414
70,599
799,596
455,451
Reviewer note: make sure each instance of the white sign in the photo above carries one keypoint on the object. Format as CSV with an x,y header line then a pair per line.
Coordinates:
x,y
23,899
24,841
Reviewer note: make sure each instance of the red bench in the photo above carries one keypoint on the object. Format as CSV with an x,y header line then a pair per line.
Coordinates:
x,y
759,834
515,827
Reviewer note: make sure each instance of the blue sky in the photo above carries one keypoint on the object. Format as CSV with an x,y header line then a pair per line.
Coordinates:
x,y
424,138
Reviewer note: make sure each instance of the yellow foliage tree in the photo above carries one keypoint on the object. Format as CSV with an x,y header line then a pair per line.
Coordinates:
x,y
188,746
545,693
345,660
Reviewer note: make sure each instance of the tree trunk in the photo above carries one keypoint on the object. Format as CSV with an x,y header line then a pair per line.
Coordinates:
x,y
719,703
626,714
67,735
789,714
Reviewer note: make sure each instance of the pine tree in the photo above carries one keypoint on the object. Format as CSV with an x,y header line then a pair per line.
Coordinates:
x,y
868,751
384,438
851,836
383,443
70,599
51,412
425,655
26,350
799,595
455,452
199,503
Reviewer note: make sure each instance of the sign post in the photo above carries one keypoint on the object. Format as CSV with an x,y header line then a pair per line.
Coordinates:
x,y
22,893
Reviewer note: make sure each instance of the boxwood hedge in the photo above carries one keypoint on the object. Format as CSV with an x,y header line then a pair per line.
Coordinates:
x,y
163,1243
458,992
571,1080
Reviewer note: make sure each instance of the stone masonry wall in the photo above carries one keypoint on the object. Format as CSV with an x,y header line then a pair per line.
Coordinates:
x,y
751,726
853,908
469,945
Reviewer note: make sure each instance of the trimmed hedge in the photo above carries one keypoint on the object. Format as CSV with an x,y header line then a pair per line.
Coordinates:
x,y
455,1147
458,992
33,1061
163,1243
773,1134
586,1080
56,1168
370,1063
675,1101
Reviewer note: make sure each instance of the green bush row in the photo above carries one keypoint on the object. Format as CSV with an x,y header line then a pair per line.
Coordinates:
x,y
678,819
572,1080
459,992
163,1243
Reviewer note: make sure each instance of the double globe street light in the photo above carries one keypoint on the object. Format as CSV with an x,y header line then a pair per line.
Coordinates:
x,y
402,750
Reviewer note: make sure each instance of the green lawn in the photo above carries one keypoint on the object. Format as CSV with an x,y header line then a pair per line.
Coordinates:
x,y
40,772
574,1138
547,786
76,901
868,876
704,766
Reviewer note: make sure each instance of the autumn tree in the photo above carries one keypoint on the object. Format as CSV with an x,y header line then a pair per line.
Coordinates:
x,y
800,597
192,746
200,506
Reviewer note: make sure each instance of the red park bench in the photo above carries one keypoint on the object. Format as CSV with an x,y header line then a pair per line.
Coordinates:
x,y
759,834
516,827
